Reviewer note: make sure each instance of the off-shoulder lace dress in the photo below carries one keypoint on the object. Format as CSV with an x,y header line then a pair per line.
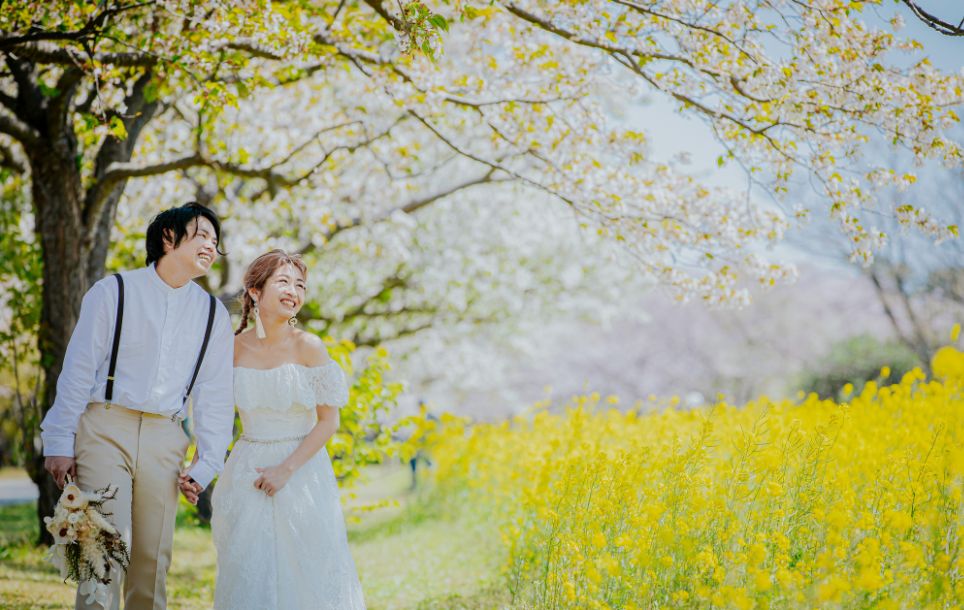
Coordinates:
x,y
289,551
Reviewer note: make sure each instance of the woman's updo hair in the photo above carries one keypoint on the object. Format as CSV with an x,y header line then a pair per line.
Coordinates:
x,y
258,273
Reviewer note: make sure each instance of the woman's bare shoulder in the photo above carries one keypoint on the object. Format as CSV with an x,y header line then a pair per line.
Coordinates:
x,y
242,342
311,349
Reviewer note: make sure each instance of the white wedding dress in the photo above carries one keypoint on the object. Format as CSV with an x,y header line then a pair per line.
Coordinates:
x,y
289,551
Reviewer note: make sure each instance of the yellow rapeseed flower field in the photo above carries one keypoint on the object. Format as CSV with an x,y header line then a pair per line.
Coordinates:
x,y
802,503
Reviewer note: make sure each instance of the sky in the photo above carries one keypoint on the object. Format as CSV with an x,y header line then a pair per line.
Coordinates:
x,y
670,132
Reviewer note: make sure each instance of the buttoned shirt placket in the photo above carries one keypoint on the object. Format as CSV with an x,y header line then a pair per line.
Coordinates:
x,y
168,338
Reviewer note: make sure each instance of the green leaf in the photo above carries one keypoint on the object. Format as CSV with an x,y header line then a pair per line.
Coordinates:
x,y
117,128
48,91
439,22
151,91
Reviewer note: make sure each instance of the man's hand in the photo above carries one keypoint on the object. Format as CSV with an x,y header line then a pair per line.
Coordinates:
x,y
59,467
189,487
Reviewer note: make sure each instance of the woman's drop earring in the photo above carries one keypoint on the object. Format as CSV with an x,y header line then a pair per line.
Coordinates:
x,y
292,321
258,326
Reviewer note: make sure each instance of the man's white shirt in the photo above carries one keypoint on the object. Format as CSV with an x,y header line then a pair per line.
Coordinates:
x,y
161,336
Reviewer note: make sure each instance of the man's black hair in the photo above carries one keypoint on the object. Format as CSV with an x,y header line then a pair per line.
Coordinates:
x,y
174,223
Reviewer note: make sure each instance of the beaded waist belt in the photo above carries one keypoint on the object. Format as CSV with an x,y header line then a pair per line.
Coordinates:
x,y
285,439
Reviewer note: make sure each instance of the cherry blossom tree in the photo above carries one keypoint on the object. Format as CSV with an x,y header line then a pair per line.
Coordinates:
x,y
363,133
919,288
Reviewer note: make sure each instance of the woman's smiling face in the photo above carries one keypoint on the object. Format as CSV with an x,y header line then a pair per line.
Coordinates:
x,y
283,294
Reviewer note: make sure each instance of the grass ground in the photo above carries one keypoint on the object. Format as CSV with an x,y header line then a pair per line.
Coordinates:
x,y
408,558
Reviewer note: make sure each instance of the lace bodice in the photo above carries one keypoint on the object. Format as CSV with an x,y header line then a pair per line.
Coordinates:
x,y
290,385
280,402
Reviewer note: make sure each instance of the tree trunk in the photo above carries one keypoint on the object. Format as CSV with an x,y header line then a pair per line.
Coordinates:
x,y
913,340
73,254
57,203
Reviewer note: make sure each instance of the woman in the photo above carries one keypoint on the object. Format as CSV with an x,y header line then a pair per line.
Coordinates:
x,y
277,523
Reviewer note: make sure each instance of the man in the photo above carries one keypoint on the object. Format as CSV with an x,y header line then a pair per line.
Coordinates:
x,y
125,428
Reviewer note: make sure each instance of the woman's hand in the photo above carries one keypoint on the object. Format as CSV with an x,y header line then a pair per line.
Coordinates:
x,y
273,478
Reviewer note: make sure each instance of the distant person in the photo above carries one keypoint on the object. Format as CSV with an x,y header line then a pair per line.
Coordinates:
x,y
420,455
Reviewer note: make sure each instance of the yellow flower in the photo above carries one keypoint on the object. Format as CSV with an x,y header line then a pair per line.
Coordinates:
x,y
809,497
761,580
757,554
785,578
948,363
899,520
740,599
832,589
570,590
599,540
869,579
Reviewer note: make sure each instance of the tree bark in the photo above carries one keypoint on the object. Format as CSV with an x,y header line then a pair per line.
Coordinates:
x,y
74,235
56,191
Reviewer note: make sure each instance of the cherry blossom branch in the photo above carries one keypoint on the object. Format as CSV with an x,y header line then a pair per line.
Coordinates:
x,y
18,130
47,53
636,57
379,7
693,26
8,101
389,283
934,22
495,165
8,160
252,48
360,57
90,29
409,208
139,111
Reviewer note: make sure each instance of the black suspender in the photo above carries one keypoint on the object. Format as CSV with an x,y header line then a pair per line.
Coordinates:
x,y
109,392
204,346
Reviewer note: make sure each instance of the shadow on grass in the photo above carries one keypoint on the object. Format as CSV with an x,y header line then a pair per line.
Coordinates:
x,y
18,524
13,601
375,526
416,556
18,537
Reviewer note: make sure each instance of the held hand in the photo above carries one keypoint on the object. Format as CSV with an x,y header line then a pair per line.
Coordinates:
x,y
59,467
191,489
272,479
188,486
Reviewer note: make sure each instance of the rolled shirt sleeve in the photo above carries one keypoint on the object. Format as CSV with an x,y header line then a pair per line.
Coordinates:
x,y
213,399
86,352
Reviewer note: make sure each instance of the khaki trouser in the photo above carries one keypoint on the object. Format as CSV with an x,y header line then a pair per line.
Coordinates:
x,y
141,454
